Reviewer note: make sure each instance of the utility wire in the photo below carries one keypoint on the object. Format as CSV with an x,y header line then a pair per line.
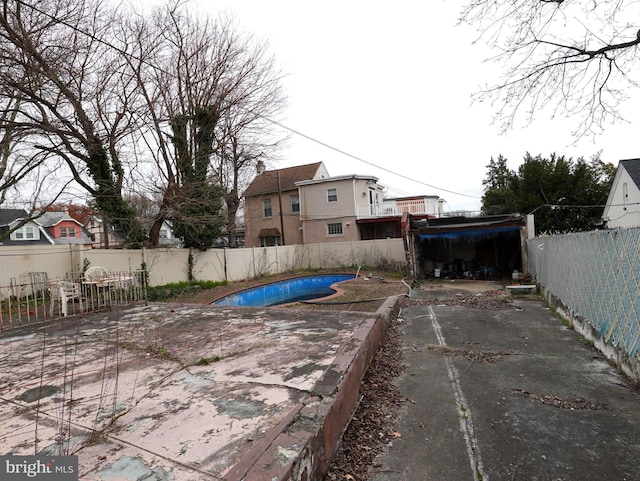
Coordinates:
x,y
294,131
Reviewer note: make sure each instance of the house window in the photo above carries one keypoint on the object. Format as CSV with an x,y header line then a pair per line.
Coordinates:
x,y
272,240
24,232
164,234
67,232
332,195
266,208
295,203
334,228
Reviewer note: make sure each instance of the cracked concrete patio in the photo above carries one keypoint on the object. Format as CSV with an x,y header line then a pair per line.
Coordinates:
x,y
187,392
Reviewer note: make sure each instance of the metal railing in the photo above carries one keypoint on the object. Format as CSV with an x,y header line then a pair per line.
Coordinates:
x,y
34,297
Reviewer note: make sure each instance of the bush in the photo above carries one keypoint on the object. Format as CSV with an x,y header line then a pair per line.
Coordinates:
x,y
175,290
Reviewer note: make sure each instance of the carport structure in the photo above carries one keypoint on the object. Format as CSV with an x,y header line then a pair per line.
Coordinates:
x,y
470,247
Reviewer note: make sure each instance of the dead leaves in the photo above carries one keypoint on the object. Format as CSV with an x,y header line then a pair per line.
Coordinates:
x,y
572,403
373,425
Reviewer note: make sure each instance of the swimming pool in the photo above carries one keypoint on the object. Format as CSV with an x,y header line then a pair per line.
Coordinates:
x,y
282,292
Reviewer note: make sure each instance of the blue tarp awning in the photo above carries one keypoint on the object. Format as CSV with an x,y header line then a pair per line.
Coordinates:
x,y
472,234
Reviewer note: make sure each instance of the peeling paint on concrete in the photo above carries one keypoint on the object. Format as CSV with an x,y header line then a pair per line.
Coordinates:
x,y
288,454
133,409
240,408
35,393
304,369
134,469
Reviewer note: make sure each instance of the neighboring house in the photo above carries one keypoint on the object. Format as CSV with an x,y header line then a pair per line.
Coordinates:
x,y
623,204
332,207
64,229
272,205
352,207
303,205
17,229
166,238
105,236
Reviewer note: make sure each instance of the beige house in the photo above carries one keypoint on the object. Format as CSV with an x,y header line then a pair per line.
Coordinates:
x,y
331,208
272,205
104,235
303,205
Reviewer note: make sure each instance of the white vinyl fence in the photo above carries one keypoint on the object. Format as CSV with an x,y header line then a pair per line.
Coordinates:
x,y
39,283
174,265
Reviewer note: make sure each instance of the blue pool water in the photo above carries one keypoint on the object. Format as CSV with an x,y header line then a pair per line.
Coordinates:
x,y
282,292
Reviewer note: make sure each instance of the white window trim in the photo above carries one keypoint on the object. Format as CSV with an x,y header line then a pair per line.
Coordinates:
x,y
295,196
264,209
335,234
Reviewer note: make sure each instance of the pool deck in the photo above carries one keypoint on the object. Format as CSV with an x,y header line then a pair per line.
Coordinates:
x,y
187,392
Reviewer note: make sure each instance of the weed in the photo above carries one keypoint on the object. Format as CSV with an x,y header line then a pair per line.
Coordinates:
x,y
158,350
205,361
175,290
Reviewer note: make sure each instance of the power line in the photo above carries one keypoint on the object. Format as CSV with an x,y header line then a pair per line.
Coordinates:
x,y
290,129
360,159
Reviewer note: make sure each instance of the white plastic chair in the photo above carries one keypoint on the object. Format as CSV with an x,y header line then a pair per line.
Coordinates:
x,y
95,274
63,292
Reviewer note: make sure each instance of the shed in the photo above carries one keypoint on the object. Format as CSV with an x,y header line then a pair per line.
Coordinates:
x,y
469,247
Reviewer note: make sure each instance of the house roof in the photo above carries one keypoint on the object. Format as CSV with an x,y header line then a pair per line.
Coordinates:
x,y
339,178
632,166
7,216
49,219
472,227
267,182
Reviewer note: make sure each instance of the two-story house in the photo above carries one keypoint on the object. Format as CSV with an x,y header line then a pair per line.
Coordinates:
x,y
332,207
272,205
623,204
353,207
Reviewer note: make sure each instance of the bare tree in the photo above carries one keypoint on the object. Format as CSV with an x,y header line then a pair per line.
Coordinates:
x,y
245,135
66,96
202,85
575,57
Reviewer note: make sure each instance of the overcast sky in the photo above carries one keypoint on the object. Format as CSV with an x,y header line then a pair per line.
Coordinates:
x,y
390,83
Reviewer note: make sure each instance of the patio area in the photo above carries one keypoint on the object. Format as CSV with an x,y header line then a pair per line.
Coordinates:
x,y
35,296
171,391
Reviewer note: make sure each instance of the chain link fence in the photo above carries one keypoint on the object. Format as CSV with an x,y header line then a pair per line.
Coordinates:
x,y
596,275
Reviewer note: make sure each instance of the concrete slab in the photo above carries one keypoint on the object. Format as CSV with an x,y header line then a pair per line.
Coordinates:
x,y
508,394
184,392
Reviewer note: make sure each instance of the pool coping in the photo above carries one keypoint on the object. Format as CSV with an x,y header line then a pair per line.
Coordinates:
x,y
313,428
